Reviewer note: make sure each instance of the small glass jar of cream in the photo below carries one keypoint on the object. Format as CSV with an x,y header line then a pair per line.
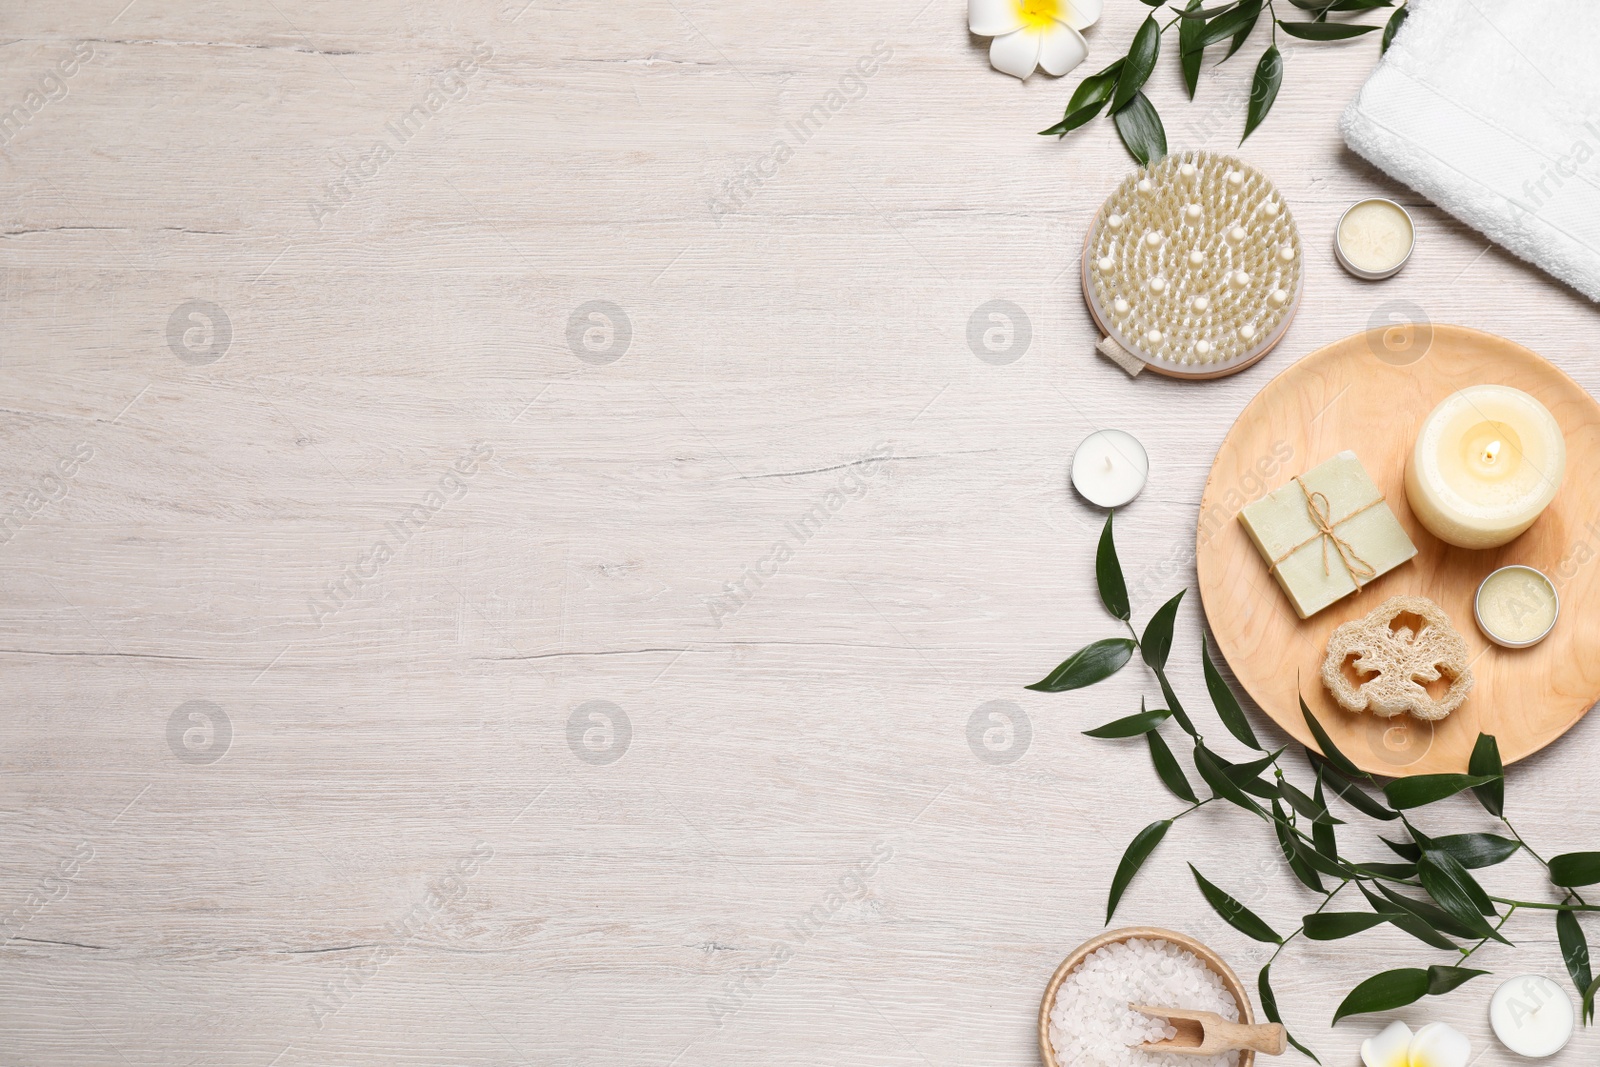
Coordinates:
x,y
1374,238
1516,606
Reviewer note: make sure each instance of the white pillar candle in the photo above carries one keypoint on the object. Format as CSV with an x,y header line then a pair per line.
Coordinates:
x,y
1516,606
1374,238
1487,462
1110,468
1531,1015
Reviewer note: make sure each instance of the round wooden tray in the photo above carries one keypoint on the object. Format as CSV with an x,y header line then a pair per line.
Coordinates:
x,y
1369,393
1247,1057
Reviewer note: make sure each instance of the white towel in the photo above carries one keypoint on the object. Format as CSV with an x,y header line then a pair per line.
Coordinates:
x,y
1491,109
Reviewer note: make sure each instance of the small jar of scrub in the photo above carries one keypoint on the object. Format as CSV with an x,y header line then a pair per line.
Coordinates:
x,y
1516,606
1374,238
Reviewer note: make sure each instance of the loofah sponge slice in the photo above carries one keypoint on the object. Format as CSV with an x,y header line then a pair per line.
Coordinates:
x,y
1193,266
1399,660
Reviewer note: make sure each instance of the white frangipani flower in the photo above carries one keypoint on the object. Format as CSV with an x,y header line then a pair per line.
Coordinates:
x,y
1435,1045
1033,33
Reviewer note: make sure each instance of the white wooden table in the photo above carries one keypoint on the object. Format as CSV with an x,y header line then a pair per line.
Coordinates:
x,y
338,512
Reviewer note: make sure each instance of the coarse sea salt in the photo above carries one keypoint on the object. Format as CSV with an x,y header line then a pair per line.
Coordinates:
x,y
1091,1024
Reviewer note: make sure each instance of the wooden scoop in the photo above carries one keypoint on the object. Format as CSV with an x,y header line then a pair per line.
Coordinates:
x,y
1205,1033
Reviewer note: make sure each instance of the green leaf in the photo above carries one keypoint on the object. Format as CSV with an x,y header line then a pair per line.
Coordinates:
x,y
1434,916
1108,575
1073,119
1485,761
1087,101
1306,806
1324,31
1473,851
1405,920
1195,13
1157,640
1384,992
1575,868
1132,725
1140,129
1140,62
1214,769
1574,950
1269,1008
1167,768
1293,850
1229,23
1388,870
1090,664
1396,20
1421,789
1227,705
1178,714
1333,925
1189,57
1588,1001
1397,988
1448,883
1330,752
1263,90
1442,980
1350,793
1242,36
1139,849
1404,849
1234,913
1322,834
1247,775
1420,930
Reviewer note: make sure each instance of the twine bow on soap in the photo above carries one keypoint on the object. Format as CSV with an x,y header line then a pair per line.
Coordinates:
x,y
1318,509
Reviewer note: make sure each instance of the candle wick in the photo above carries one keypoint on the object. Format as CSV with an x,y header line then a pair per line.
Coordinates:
x,y
1108,463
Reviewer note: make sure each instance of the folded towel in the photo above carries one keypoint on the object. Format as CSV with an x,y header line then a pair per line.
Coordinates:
x,y
1492,111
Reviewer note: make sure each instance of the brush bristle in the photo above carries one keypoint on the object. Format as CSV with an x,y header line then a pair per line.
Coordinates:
x,y
1195,261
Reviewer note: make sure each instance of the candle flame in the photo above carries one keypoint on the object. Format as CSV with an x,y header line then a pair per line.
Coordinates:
x,y
1491,452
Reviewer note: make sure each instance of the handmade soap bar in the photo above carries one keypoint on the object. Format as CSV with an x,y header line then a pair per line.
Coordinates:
x,y
1327,533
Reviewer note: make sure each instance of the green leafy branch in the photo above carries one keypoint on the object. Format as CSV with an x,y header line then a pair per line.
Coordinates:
x,y
1430,893
1119,87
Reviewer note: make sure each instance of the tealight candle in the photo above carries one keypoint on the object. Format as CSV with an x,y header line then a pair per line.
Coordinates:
x,y
1516,606
1374,238
1531,1016
1487,462
1109,468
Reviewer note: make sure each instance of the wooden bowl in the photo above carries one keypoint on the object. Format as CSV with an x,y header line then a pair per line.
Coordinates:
x,y
1247,1057
1368,394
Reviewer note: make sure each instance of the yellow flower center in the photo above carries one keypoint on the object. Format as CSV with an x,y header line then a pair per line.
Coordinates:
x,y
1039,14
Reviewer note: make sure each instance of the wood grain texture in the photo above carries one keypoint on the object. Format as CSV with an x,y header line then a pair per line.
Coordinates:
x,y
322,893
1362,394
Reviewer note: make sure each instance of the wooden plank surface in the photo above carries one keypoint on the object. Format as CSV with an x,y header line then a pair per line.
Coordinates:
x,y
347,512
